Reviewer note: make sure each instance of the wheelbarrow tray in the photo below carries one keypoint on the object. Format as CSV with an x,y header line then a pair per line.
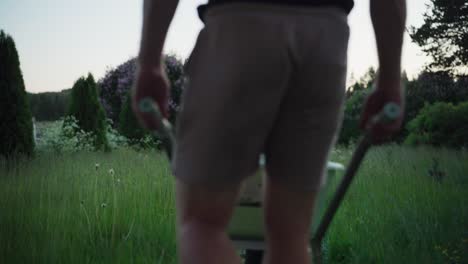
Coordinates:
x,y
246,228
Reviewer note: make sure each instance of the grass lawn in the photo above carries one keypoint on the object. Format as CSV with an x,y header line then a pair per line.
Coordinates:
x,y
406,206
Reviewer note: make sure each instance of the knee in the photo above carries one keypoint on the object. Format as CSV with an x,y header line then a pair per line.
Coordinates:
x,y
200,231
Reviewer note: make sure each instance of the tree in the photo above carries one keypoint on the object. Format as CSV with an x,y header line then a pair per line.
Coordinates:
x,y
16,128
353,107
113,88
128,125
444,34
440,124
49,106
87,110
365,82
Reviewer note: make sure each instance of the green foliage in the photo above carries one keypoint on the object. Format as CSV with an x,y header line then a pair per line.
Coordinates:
x,y
115,85
87,110
115,139
443,35
365,82
16,129
49,106
65,135
130,128
355,98
72,138
429,87
440,124
350,130
128,125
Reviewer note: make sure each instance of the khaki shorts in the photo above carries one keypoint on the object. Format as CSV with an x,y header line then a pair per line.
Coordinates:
x,y
262,79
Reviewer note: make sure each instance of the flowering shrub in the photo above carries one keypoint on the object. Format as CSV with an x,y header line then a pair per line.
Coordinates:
x,y
114,86
115,139
65,135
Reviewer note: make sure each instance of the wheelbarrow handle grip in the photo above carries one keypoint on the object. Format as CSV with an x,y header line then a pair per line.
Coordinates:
x,y
389,113
164,131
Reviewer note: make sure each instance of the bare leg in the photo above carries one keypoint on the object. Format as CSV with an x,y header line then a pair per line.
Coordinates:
x,y
287,217
203,216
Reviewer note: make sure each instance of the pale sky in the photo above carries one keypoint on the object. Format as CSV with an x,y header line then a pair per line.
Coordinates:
x,y
60,40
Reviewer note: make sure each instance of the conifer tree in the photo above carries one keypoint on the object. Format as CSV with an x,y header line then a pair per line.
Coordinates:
x,y
128,125
85,107
16,128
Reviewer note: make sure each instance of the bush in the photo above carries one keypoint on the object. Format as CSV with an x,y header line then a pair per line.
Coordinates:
x,y
72,137
440,124
65,135
128,125
88,112
16,129
350,130
114,87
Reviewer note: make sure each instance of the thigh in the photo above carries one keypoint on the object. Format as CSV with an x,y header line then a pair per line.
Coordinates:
x,y
305,130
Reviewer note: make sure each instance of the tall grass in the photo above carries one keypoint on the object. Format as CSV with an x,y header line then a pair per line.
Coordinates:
x,y
405,206
118,207
88,208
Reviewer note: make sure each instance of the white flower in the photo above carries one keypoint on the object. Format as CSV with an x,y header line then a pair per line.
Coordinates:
x,y
96,166
111,172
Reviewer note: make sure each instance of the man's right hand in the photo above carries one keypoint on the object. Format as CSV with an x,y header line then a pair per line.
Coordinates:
x,y
386,91
150,83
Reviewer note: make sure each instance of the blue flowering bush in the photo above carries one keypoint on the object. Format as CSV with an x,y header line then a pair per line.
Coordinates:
x,y
115,85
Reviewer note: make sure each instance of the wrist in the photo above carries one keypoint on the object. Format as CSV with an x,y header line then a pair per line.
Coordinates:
x,y
149,66
388,83
389,74
149,62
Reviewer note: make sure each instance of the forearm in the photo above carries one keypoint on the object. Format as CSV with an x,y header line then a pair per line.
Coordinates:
x,y
388,19
157,16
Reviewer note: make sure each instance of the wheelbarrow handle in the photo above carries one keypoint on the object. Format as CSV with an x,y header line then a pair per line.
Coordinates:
x,y
164,130
390,112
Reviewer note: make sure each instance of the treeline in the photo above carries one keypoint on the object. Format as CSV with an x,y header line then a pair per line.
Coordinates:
x,y
429,93
49,106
